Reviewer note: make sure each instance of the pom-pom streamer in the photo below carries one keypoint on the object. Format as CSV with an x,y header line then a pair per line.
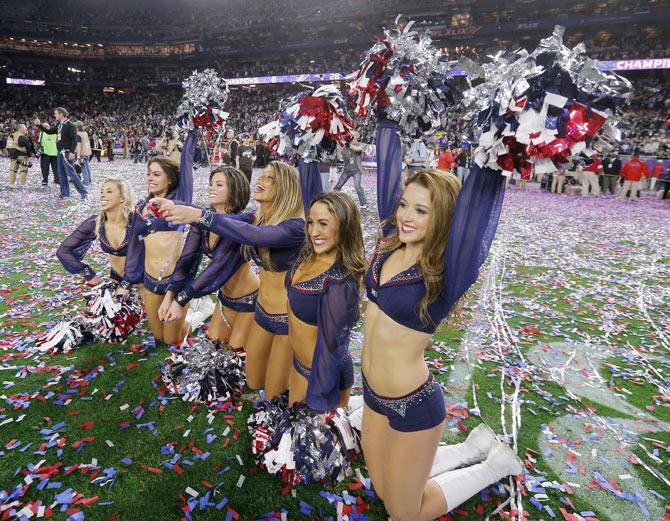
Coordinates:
x,y
539,110
310,125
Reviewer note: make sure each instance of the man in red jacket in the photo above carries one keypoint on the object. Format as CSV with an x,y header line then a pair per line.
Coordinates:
x,y
590,176
632,173
659,168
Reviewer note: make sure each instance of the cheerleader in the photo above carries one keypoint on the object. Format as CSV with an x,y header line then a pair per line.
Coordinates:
x,y
112,226
435,236
323,301
273,239
156,245
227,270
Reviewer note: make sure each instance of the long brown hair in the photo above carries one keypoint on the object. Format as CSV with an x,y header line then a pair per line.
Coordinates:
x,y
287,204
170,168
444,188
238,188
350,248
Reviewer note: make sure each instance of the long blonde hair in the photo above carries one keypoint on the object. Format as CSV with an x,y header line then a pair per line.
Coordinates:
x,y
350,247
444,188
127,206
287,203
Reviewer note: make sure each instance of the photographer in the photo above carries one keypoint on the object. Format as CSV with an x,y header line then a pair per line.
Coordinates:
x,y
352,156
19,148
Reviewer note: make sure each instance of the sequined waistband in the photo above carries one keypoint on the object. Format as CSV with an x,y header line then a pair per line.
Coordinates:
x,y
282,318
400,404
302,370
244,299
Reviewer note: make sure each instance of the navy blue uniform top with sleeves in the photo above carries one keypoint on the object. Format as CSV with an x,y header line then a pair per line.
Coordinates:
x,y
472,230
328,301
283,240
225,259
72,250
183,194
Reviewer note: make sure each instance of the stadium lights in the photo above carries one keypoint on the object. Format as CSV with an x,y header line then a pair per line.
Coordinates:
x,y
72,69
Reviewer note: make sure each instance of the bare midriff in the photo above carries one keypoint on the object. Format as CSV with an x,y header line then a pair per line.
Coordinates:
x,y
243,282
272,294
161,252
392,358
302,337
117,263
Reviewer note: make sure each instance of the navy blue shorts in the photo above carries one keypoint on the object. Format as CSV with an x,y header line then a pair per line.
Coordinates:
x,y
245,304
346,377
158,287
419,410
274,323
114,275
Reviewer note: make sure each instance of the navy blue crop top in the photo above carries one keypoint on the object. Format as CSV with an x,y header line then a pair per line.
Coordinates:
x,y
72,250
473,227
329,301
225,259
144,226
283,240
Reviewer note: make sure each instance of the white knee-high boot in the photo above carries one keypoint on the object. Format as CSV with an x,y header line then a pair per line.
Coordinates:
x,y
355,411
474,449
461,484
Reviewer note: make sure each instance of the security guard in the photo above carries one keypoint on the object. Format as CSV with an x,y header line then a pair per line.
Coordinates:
x,y
19,148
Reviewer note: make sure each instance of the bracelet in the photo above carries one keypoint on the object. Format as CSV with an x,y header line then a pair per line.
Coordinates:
x,y
207,218
182,298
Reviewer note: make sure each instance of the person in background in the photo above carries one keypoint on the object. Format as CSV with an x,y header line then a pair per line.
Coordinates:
x,y
124,143
324,171
246,155
417,155
83,152
557,181
96,146
3,143
229,147
352,157
445,160
67,146
110,148
611,173
461,161
664,184
48,157
590,176
262,154
632,173
144,148
19,147
658,169
174,146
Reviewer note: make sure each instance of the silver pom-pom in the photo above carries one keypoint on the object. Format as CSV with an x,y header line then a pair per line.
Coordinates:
x,y
205,372
205,95
538,110
302,446
405,78
113,319
65,336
